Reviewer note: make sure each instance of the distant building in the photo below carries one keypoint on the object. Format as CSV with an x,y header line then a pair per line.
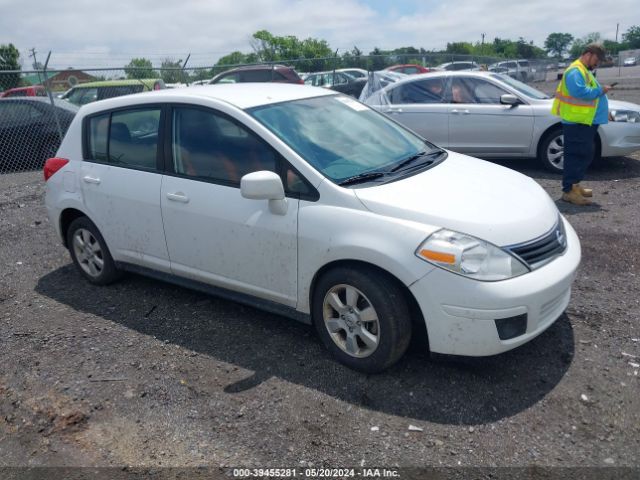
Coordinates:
x,y
60,80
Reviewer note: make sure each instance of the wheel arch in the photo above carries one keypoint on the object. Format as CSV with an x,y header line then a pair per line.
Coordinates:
x,y
417,319
550,128
67,216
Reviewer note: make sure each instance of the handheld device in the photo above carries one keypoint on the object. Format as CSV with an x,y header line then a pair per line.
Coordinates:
x,y
614,84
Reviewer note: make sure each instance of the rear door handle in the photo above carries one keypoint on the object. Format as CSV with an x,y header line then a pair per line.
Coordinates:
x,y
89,179
178,197
463,112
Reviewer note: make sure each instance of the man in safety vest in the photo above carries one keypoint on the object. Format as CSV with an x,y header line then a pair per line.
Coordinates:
x,y
581,102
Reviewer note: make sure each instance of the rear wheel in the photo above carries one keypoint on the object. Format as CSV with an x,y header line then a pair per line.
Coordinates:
x,y
362,317
89,252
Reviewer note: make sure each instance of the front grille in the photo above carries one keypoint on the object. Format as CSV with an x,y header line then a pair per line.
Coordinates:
x,y
540,251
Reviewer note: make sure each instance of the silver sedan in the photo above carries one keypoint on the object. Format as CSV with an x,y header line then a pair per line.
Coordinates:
x,y
490,115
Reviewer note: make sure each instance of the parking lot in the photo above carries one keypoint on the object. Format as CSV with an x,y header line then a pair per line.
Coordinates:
x,y
147,374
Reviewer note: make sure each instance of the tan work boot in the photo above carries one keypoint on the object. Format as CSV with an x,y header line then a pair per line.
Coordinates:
x,y
585,192
575,196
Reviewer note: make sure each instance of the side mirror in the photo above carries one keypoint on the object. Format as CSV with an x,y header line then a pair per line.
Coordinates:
x,y
508,99
265,185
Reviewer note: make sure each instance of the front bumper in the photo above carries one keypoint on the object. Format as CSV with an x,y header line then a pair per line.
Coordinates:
x,y
619,138
461,313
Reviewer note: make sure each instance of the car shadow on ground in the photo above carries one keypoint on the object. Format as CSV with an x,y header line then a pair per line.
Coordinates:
x,y
447,390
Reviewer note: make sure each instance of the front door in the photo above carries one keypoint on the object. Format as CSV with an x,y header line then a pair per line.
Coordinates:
x,y
213,234
480,125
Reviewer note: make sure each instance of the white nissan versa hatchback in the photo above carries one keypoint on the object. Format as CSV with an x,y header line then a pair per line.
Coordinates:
x,y
310,204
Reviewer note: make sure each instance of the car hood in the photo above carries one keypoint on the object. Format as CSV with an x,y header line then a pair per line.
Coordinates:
x,y
470,196
620,105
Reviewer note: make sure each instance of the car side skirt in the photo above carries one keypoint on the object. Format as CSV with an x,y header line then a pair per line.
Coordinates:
x,y
251,301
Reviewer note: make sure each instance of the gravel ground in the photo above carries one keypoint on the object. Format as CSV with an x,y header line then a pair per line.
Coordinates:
x,y
146,374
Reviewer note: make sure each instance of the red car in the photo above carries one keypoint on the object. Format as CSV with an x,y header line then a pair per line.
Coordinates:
x,y
35,91
410,68
258,73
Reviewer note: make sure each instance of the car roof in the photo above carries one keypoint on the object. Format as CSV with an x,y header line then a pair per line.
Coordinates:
x,y
148,82
441,74
240,95
44,100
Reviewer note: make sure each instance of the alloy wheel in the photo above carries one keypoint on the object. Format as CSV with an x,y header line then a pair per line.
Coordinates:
x,y
88,252
351,321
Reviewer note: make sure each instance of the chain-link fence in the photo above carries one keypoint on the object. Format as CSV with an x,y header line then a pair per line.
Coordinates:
x,y
37,107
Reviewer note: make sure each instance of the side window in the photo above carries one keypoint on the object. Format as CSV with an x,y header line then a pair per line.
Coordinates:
x,y
126,138
461,90
482,91
98,136
423,91
210,146
82,96
259,75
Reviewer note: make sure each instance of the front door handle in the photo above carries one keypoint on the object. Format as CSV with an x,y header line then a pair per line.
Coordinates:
x,y
89,179
463,112
178,197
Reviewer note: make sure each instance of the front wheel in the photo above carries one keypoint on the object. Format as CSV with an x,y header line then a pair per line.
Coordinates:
x,y
551,151
89,252
362,317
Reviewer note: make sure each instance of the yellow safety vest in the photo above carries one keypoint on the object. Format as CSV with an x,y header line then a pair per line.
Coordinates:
x,y
574,109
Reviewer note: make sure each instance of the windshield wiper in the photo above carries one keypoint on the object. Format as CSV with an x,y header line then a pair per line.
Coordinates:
x,y
361,178
415,157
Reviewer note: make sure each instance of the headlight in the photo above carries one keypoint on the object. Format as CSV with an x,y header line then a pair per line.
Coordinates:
x,y
624,116
469,256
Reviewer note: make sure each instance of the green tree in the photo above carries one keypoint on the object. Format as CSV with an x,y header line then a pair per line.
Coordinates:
x,y
171,71
460,48
140,68
632,37
558,43
9,60
580,43
378,60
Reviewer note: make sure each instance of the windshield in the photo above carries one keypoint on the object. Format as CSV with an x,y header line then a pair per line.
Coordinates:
x,y
521,87
340,137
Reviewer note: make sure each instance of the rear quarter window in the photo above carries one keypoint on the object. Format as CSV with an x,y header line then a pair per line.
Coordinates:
x,y
124,138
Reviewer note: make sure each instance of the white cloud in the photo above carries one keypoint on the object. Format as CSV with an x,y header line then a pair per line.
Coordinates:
x,y
87,33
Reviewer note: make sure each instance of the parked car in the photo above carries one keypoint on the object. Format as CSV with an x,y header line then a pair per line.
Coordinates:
x,y
258,73
354,72
338,81
630,62
461,65
410,69
305,202
495,116
518,69
29,132
33,91
84,93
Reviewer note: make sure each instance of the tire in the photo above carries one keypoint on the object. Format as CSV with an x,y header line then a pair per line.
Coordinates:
x,y
362,317
90,254
551,150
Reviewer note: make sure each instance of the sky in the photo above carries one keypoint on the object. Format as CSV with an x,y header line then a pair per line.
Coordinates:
x,y
103,33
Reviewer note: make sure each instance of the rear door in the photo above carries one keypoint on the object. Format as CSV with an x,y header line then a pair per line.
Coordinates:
x,y
420,105
480,125
120,181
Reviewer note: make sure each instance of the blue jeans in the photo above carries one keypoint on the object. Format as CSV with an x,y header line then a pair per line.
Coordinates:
x,y
578,152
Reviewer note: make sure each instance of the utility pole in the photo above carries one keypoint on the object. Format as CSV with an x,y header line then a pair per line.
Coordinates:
x,y
35,62
482,44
